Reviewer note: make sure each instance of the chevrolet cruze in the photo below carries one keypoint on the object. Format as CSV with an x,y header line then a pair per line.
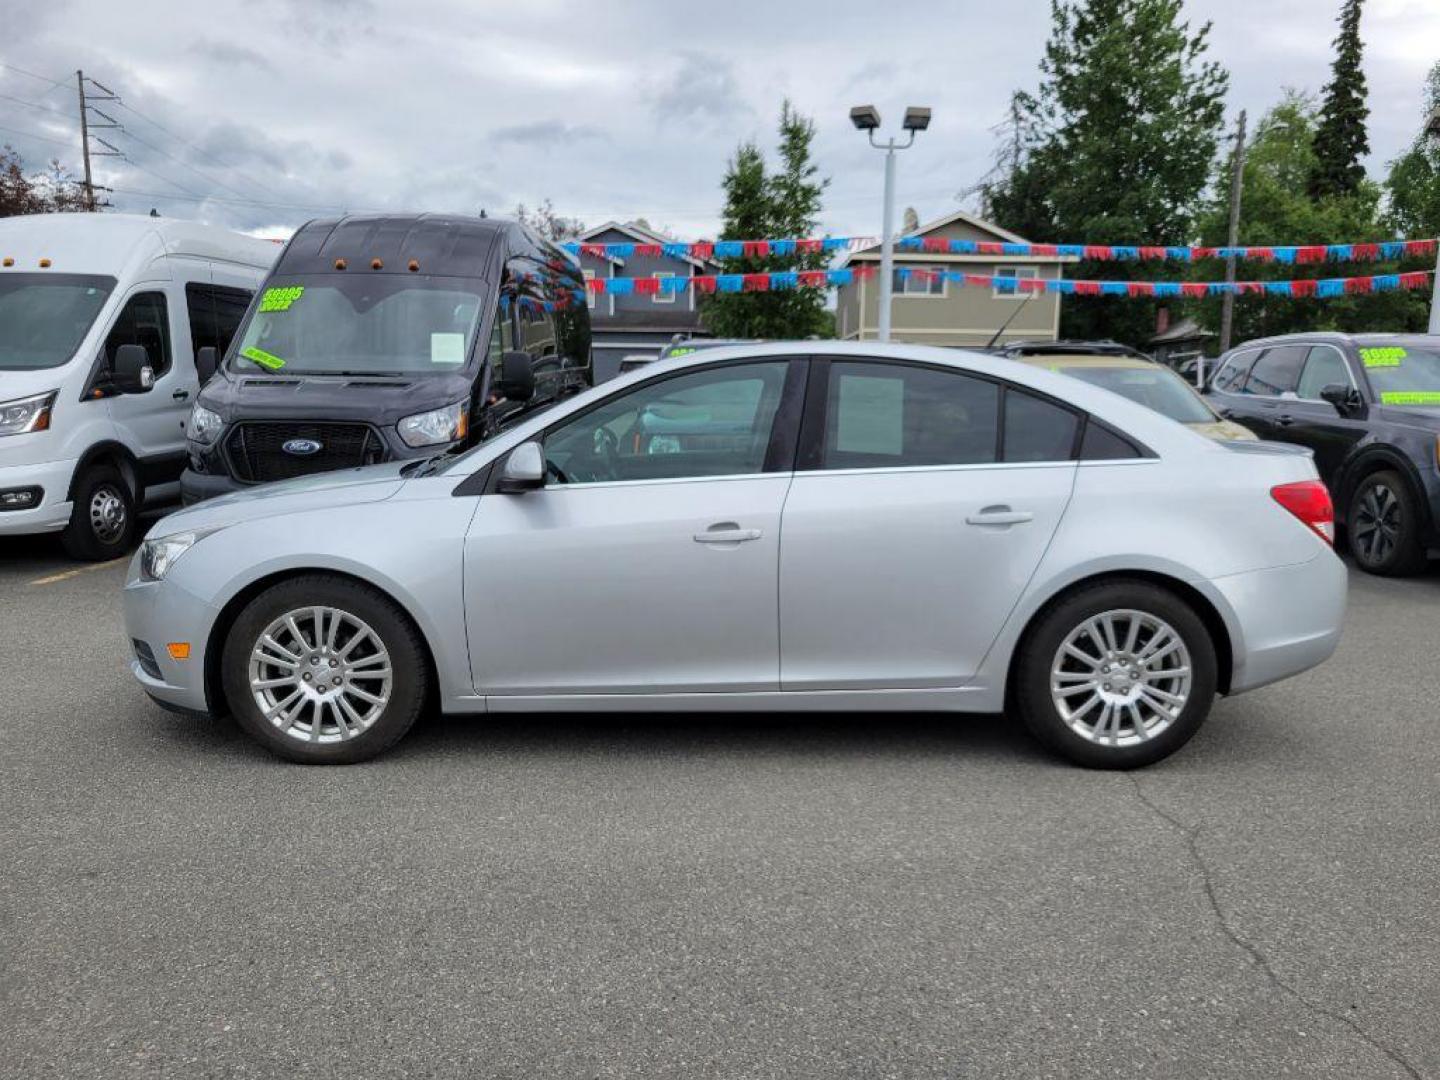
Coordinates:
x,y
766,527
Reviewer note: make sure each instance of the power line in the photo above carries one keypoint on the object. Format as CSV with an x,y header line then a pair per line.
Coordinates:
x,y
21,71
33,135
35,105
165,154
195,197
192,146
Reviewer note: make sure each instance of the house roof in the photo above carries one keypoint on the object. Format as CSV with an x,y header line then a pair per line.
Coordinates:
x,y
639,233
1184,330
872,251
959,215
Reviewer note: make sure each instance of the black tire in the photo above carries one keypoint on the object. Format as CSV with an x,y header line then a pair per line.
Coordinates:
x,y
397,635
1383,526
102,519
1031,691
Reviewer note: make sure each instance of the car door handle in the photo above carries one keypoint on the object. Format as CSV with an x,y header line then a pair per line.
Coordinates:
x,y
180,395
1000,515
726,532
1284,420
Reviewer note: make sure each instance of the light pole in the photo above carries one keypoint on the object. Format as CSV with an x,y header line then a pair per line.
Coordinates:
x,y
1432,129
866,118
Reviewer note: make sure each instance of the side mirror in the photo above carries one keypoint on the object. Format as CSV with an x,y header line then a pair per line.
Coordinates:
x,y
207,359
131,372
1346,399
524,469
517,376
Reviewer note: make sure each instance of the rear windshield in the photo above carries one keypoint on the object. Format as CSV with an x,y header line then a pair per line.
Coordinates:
x,y
1403,374
1156,388
44,317
361,324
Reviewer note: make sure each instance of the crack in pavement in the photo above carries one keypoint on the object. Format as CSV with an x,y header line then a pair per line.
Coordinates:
x,y
1207,882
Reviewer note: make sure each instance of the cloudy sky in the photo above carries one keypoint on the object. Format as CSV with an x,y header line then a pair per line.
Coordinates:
x,y
263,114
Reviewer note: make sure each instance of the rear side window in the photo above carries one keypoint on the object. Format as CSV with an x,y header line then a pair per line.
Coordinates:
x,y
215,314
895,416
1276,371
144,322
1101,444
1036,429
1231,377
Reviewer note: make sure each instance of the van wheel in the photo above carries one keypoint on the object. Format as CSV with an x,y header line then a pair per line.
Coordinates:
x,y
1383,526
102,519
1116,675
324,670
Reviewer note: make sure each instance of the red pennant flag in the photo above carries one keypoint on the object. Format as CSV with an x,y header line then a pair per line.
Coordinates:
x,y
1099,251
702,249
1264,254
703,283
649,251
595,284
1310,253
808,247
647,286
1416,279
1364,251
1193,288
757,249
815,279
1087,288
1044,249
1303,287
1420,247
936,243
1360,284
1152,253
597,250
756,283
990,249
1140,288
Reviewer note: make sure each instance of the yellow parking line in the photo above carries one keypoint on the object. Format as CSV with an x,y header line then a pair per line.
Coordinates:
x,y
68,574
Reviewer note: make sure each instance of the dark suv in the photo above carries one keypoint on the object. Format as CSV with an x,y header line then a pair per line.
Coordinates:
x,y
1368,405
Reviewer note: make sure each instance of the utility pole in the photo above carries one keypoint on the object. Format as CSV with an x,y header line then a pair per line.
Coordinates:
x,y
85,126
1432,130
85,143
1237,168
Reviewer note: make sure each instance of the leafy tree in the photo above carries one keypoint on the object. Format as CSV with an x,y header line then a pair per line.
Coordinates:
x,y
1413,185
22,192
761,204
1340,139
547,222
1117,144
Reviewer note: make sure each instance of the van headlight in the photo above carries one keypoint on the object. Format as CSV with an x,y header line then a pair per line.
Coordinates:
x,y
445,425
159,555
204,425
24,415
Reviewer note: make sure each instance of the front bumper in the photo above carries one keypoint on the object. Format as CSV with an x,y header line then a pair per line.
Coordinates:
x,y
195,487
1287,619
158,613
53,513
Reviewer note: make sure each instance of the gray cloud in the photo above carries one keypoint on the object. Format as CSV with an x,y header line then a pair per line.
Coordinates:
x,y
229,53
545,133
700,88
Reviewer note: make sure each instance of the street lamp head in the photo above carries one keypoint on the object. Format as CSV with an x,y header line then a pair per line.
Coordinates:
x,y
917,118
865,117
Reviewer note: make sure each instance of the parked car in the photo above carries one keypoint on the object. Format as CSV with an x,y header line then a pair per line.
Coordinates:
x,y
1368,405
387,338
100,319
778,526
1124,371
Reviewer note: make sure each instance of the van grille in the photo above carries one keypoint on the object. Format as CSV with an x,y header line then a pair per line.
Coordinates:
x,y
257,455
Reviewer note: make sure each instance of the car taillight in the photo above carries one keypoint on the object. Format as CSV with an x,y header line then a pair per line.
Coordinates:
x,y
1309,501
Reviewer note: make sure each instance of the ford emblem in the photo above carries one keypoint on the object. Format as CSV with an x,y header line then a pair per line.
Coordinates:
x,y
301,447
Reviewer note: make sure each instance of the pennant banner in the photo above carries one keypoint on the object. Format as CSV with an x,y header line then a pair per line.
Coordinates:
x,y
1300,254
820,279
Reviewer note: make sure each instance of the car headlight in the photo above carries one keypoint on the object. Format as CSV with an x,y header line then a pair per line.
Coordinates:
x,y
204,425
436,426
26,414
159,555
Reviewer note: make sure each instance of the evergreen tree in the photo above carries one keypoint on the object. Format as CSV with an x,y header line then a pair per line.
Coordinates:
x,y
1116,147
1414,181
1340,139
759,205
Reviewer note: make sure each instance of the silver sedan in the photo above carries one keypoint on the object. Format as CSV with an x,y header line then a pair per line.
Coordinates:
x,y
784,526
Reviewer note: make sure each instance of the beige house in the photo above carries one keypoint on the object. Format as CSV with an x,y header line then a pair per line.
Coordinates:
x,y
934,312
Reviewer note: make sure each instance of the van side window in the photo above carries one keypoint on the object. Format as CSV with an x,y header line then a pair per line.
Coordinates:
x,y
215,314
143,321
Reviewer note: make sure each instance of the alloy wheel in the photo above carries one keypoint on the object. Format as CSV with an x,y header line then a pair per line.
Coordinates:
x,y
1377,524
1121,677
320,675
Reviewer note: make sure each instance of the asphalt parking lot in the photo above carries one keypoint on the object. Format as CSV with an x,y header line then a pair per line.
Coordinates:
x,y
826,897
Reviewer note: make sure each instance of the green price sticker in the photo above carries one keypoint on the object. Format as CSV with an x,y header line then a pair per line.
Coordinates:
x,y
281,299
1410,397
263,358
1390,356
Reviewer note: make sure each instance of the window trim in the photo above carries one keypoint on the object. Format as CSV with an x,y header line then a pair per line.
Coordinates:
x,y
1019,293
661,296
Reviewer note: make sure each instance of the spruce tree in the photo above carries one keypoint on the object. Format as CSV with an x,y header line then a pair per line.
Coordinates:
x,y
1340,139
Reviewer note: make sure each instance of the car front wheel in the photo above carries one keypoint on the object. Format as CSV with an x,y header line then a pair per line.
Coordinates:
x,y
1383,526
1116,675
324,670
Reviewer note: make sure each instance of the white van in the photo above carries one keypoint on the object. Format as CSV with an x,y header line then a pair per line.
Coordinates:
x,y
101,316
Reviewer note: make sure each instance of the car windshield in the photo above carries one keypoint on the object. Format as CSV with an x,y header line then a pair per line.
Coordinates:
x,y
1155,387
44,317
365,323
1403,374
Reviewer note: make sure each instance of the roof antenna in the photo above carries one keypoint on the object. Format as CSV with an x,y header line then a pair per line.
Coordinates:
x,y
1029,294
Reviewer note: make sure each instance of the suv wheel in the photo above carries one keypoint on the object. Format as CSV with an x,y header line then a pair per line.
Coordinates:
x,y
1383,526
324,670
102,518
1116,675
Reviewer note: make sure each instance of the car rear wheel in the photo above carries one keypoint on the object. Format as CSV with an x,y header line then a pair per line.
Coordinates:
x,y
324,670
1116,675
102,516
1383,526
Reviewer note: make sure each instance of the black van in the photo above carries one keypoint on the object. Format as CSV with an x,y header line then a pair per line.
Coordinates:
x,y
385,337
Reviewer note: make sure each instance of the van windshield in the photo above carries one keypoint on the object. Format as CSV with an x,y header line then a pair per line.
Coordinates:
x,y
362,323
44,317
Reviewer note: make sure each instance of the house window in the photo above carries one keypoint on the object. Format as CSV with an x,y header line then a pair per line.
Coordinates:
x,y
663,297
927,284
1016,272
589,296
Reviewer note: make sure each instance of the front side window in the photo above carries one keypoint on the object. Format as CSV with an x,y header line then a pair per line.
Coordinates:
x,y
142,322
703,423
1276,371
1154,387
44,317
1403,374
1323,367
897,416
362,323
